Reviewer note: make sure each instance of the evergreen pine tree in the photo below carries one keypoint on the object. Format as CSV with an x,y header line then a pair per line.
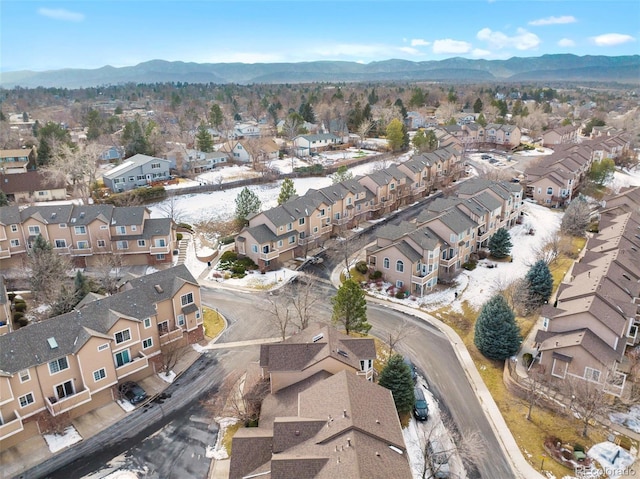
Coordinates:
x,y
247,202
350,308
497,335
540,284
204,139
396,376
4,201
500,244
81,286
287,191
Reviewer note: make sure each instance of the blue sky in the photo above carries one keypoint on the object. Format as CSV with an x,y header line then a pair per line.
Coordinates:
x,y
43,35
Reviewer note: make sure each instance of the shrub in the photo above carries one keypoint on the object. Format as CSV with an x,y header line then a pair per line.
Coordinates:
x,y
178,236
227,240
362,267
20,307
23,321
400,294
578,447
228,257
469,265
377,274
238,269
527,358
247,263
483,254
186,226
17,315
11,296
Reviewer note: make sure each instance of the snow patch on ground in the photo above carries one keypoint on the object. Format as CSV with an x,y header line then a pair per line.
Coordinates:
x,y
630,419
218,452
126,405
167,377
612,458
624,178
255,280
197,348
57,442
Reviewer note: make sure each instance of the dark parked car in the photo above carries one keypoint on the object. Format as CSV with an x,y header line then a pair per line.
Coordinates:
x,y
132,392
412,368
420,407
485,157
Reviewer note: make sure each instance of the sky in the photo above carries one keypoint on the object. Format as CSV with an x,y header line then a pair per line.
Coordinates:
x,y
47,35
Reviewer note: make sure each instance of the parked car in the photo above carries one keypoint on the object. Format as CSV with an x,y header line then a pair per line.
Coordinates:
x,y
420,407
132,392
485,157
412,368
439,459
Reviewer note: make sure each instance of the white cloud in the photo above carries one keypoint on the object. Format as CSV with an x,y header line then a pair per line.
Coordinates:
x,y
409,50
61,14
566,42
554,20
523,40
479,52
611,39
448,45
419,42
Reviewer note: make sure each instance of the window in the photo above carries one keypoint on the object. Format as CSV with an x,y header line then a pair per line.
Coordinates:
x,y
399,284
292,239
160,256
140,177
197,314
147,323
254,248
58,365
161,242
163,328
61,243
279,243
337,216
104,227
289,226
392,186
15,242
99,374
142,243
301,221
122,358
399,266
592,375
121,230
80,230
180,320
134,228
315,229
123,336
186,299
123,244
24,376
132,178
104,346
26,400
322,212
366,364
34,230
385,263
101,243
83,245
549,191
14,228
559,368
155,166
147,343
42,193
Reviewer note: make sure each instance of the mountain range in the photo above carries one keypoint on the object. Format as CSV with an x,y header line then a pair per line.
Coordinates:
x,y
562,67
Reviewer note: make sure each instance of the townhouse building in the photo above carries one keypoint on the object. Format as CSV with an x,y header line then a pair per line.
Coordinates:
x,y
290,230
474,134
60,368
555,180
33,186
593,326
324,417
86,233
560,135
415,256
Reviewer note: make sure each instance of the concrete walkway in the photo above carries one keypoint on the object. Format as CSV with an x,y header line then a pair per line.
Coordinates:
x,y
521,468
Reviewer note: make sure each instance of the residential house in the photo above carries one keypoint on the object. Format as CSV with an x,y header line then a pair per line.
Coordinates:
x,y
560,135
323,418
136,171
86,233
246,130
415,120
305,145
71,364
500,134
32,186
111,154
199,161
17,160
594,322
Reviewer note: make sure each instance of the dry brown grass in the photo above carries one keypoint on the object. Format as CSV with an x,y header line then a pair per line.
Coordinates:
x,y
213,322
229,432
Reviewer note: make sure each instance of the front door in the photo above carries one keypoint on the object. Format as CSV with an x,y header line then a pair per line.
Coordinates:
x,y
65,389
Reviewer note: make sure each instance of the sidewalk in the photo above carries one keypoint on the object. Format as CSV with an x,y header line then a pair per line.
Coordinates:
x,y
510,448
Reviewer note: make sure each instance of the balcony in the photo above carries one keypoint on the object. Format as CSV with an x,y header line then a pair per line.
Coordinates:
x,y
62,250
159,249
171,336
423,279
482,236
11,426
447,263
342,220
136,364
368,374
82,251
273,254
58,406
5,253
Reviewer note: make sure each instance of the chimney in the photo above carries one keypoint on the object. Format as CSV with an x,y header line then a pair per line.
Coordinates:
x,y
344,413
348,442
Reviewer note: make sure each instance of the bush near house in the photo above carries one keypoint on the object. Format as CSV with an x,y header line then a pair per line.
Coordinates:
x,y
238,267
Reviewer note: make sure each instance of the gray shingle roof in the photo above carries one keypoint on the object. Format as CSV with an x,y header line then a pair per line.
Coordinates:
x,y
9,215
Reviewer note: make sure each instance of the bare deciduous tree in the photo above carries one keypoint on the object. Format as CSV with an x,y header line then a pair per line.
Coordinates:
x,y
108,268
77,165
401,331
535,385
171,208
588,399
280,313
171,353
303,298
238,399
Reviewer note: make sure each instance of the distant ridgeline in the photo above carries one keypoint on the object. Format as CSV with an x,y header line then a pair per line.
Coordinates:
x,y
564,67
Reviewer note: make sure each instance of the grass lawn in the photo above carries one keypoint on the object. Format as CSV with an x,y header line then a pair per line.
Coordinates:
x,y
213,322
228,436
529,435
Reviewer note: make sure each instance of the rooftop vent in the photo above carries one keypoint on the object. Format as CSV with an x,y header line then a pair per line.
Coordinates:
x,y
53,344
54,214
158,288
82,214
342,353
317,337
